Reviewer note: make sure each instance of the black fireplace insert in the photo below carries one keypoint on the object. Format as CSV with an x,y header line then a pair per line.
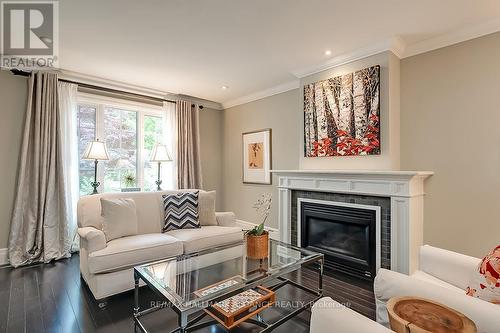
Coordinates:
x,y
345,235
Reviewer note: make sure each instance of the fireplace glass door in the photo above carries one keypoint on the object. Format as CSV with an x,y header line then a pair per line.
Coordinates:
x,y
346,235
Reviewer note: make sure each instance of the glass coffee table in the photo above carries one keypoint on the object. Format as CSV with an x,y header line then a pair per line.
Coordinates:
x,y
191,283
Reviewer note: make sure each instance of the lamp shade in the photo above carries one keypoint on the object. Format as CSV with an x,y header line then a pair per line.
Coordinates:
x,y
160,154
96,150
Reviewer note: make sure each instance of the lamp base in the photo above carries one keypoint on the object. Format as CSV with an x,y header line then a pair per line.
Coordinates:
x,y
158,184
95,185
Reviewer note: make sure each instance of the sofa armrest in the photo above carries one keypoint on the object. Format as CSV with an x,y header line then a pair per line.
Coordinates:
x,y
92,239
328,316
226,219
451,267
390,284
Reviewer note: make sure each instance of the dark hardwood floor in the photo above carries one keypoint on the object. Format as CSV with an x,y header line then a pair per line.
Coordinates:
x,y
53,298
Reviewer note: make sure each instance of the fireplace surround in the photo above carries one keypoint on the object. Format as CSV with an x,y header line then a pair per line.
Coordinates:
x,y
404,190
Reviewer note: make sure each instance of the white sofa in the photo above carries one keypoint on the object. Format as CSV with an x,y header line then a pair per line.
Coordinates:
x,y
107,267
329,316
443,277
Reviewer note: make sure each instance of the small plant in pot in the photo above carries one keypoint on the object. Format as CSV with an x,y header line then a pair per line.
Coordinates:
x,y
130,183
258,238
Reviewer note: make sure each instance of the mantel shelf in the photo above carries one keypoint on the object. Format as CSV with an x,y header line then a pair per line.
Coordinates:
x,y
356,172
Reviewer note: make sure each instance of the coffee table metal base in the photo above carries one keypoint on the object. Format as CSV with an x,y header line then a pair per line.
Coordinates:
x,y
186,325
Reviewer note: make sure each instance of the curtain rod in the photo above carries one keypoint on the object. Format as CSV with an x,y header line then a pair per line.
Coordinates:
x,y
111,90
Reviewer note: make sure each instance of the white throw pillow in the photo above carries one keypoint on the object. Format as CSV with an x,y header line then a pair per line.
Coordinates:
x,y
119,218
206,208
485,282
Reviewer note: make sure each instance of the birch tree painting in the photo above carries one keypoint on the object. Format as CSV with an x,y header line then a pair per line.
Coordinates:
x,y
342,115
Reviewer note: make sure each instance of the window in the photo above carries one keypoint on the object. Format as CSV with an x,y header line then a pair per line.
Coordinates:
x,y
130,131
86,133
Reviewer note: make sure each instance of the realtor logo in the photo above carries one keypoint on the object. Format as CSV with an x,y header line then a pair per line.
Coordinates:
x,y
29,35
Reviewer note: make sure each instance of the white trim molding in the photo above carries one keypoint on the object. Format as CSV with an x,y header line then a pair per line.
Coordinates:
x,y
404,188
454,37
396,45
281,88
135,89
4,256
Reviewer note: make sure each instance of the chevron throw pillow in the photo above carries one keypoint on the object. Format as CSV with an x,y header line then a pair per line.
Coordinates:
x,y
181,211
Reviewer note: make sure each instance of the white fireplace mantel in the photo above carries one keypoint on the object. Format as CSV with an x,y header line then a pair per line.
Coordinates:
x,y
405,188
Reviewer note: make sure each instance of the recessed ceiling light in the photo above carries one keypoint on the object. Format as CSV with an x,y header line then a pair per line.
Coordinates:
x,y
224,87
328,52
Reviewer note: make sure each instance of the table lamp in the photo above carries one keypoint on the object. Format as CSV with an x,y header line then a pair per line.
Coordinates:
x,y
96,150
160,154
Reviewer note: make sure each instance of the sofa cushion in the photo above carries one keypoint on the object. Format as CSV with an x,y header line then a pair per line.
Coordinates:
x,y
206,237
181,211
131,251
423,276
119,218
206,208
485,282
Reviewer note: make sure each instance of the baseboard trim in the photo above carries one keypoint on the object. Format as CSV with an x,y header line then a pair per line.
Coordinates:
x,y
273,232
4,257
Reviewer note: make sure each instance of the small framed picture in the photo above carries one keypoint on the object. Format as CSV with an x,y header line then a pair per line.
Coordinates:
x,y
257,157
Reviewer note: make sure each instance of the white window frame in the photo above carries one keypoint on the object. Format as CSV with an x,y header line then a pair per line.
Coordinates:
x,y
142,109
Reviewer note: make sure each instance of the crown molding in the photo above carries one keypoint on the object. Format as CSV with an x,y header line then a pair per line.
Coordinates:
x,y
284,87
112,84
205,102
452,38
396,45
98,81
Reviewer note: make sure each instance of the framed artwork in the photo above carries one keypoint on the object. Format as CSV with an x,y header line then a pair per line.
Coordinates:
x,y
257,157
342,115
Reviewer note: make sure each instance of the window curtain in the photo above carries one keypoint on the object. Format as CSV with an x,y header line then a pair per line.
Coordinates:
x,y
40,226
169,169
188,146
68,104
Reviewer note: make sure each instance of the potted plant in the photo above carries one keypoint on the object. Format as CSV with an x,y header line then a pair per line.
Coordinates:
x,y
258,238
129,181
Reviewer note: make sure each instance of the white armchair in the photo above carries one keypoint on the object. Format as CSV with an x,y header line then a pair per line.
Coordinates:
x,y
443,277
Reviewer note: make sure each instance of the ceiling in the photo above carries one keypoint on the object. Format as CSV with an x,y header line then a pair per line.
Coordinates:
x,y
195,47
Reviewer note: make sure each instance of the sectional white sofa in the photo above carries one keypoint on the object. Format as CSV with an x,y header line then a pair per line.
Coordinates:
x,y
107,267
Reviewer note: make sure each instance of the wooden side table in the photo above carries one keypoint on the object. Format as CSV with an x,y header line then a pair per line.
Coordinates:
x,y
419,315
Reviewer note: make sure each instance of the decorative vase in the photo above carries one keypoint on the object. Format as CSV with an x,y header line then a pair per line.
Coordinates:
x,y
258,246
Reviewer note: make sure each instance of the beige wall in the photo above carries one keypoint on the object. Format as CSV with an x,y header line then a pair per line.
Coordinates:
x,y
13,97
211,136
450,116
389,117
279,112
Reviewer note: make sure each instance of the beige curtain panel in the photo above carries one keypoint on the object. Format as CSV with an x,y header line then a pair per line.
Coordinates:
x,y
188,146
39,228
